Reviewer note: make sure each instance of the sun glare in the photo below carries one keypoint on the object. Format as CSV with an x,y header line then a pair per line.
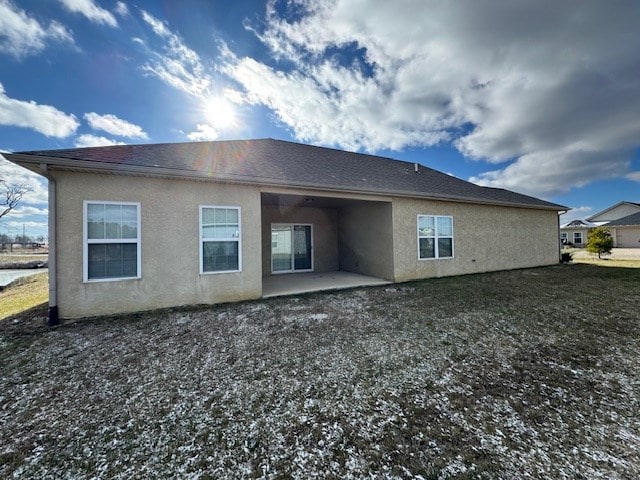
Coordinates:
x,y
220,113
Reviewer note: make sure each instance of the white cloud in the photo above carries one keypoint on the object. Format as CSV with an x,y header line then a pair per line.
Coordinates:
x,y
32,210
45,119
635,176
32,227
88,140
122,9
549,90
158,26
114,125
25,211
576,213
91,11
22,35
37,197
550,172
203,133
233,96
350,118
178,66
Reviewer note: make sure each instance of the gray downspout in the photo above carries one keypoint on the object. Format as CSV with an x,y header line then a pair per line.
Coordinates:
x,y
561,212
53,284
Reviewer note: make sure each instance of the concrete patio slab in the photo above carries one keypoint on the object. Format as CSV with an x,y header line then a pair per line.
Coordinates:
x,y
296,283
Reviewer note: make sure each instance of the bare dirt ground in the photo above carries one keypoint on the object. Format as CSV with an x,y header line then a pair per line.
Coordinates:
x,y
522,374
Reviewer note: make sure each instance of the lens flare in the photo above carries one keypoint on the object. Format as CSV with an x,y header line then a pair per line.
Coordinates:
x,y
220,113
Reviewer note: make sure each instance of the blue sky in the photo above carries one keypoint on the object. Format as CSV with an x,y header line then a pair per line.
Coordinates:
x,y
540,97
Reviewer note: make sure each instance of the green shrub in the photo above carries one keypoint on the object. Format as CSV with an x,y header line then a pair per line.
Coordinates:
x,y
599,241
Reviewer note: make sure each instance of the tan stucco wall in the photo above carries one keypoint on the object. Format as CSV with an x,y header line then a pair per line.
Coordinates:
x,y
366,239
486,238
324,232
372,238
170,244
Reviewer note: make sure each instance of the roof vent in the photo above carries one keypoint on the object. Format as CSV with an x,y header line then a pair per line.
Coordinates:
x,y
415,167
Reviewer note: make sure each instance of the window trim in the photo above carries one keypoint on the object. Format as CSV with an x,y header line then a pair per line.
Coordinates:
x,y
86,241
581,238
435,237
207,239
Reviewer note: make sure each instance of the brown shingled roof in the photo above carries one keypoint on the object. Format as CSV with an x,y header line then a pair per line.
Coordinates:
x,y
277,162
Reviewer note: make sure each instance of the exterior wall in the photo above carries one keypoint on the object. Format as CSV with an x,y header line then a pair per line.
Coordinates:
x,y
370,237
626,237
486,238
324,232
365,233
170,244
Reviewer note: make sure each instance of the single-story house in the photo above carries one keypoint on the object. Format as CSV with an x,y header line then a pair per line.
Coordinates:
x,y
135,227
623,222
625,231
575,232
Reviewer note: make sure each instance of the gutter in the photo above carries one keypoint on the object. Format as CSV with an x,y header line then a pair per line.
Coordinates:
x,y
25,160
53,284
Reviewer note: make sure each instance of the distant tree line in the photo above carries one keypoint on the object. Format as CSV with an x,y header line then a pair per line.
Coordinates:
x,y
6,239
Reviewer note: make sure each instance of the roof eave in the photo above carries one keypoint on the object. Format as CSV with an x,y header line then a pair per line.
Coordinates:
x,y
33,163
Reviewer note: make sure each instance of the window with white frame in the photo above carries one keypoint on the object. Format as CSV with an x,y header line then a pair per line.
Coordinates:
x,y
577,237
111,240
435,236
220,239
564,237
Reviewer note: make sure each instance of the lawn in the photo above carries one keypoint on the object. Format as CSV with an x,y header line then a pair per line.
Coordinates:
x,y
619,258
24,294
523,374
608,262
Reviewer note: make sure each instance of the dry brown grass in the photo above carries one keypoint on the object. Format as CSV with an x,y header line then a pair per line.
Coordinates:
x,y
608,262
19,261
522,374
24,294
620,258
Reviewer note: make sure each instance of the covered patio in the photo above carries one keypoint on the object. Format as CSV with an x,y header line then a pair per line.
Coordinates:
x,y
313,233
297,283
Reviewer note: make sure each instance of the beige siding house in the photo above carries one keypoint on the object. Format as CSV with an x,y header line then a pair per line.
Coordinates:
x,y
575,232
623,222
625,231
135,227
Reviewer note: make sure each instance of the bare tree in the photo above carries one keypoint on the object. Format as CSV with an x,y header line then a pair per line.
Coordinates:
x,y
10,195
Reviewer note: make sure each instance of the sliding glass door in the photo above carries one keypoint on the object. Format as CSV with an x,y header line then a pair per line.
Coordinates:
x,y
302,247
291,248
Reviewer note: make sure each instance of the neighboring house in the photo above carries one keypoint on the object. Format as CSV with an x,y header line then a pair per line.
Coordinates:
x,y
623,222
136,227
575,232
616,212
